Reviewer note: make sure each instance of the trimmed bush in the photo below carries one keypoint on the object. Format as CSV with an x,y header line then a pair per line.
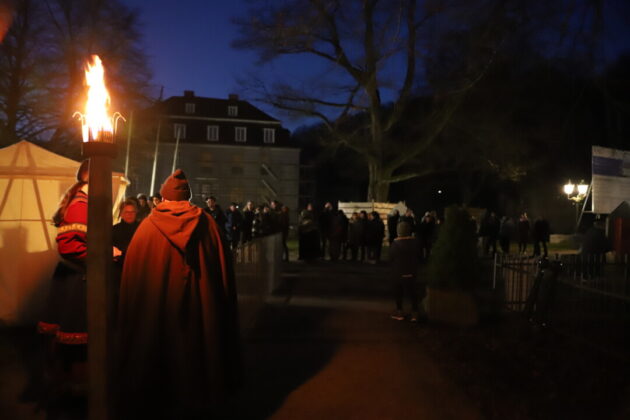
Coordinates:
x,y
454,263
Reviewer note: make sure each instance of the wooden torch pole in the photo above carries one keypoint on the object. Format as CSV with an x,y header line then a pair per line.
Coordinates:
x,y
99,270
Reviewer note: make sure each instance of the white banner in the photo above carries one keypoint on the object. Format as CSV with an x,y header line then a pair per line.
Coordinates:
x,y
610,185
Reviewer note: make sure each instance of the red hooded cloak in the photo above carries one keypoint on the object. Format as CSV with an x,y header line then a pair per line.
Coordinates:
x,y
177,321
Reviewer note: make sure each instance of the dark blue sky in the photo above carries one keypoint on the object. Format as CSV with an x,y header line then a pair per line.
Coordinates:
x,y
188,44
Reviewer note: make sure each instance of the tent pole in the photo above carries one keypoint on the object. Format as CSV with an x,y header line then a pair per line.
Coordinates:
x,y
155,156
128,145
176,149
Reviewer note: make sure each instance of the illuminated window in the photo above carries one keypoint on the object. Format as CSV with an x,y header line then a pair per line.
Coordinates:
x,y
269,135
240,134
212,133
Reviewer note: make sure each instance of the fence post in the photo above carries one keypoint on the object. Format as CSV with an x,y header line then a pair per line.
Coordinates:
x,y
494,272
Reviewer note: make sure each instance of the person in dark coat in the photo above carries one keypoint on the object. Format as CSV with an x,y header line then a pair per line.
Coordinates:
x,y
404,257
375,232
540,235
308,235
337,232
122,233
324,226
233,225
523,233
285,224
408,218
355,235
506,232
143,207
156,199
214,209
426,234
275,209
267,221
257,223
392,224
178,345
363,220
248,219
491,228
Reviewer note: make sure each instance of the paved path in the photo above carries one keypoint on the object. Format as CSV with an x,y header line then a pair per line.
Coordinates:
x,y
325,348
322,348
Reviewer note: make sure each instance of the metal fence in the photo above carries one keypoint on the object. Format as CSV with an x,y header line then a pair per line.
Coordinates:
x,y
258,269
591,296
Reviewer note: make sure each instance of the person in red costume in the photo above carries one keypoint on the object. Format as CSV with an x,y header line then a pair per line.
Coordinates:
x,y
178,351
64,317
64,320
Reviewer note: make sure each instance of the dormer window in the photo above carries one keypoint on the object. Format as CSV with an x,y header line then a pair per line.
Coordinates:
x,y
269,135
232,111
190,108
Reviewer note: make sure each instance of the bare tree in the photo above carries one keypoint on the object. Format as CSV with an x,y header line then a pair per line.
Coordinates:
x,y
42,59
374,50
23,73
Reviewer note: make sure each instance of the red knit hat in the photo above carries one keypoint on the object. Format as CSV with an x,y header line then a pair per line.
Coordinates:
x,y
176,187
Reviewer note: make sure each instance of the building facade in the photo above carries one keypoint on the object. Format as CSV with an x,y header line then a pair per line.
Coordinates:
x,y
228,148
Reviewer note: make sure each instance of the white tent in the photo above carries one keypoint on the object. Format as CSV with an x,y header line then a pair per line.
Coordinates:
x,y
32,181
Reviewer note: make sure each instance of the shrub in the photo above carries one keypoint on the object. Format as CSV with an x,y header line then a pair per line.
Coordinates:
x,y
454,263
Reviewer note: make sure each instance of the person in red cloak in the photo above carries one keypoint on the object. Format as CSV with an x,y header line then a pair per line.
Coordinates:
x,y
178,336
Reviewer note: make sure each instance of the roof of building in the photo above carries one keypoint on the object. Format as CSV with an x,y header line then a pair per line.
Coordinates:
x,y
214,107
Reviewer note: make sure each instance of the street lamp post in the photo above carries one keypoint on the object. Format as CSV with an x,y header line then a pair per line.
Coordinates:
x,y
577,194
98,128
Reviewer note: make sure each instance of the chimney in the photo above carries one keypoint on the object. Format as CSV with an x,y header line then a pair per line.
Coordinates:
x,y
233,97
189,94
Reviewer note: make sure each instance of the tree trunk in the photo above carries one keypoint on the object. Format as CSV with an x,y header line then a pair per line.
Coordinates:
x,y
377,189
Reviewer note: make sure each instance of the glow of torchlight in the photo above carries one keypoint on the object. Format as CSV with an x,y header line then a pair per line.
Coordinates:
x,y
97,124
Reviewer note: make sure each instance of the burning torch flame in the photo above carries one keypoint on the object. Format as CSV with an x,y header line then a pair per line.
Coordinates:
x,y
96,122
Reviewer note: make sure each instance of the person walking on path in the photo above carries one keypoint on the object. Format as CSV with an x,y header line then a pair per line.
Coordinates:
x,y
404,256
540,235
523,233
178,345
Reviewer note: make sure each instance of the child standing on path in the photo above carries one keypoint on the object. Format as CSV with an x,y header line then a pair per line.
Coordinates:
x,y
404,255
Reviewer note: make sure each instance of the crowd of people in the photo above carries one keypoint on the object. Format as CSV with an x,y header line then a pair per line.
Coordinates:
x,y
331,233
505,230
